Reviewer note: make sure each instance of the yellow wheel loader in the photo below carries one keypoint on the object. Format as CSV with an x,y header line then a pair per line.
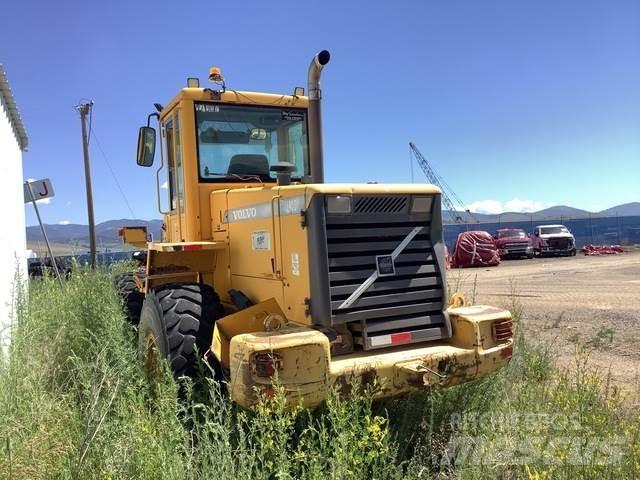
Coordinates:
x,y
267,271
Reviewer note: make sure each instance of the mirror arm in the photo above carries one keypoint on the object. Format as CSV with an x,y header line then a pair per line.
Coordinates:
x,y
157,115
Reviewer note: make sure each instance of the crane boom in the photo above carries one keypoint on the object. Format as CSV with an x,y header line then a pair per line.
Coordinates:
x,y
447,191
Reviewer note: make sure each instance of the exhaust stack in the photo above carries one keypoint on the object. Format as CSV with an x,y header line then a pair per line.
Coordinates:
x,y
315,116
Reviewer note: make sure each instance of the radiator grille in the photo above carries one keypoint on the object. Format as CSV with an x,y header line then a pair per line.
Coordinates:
x,y
380,204
409,302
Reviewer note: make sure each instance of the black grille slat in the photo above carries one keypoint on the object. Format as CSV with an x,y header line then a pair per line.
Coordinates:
x,y
371,218
391,298
363,274
381,285
398,323
340,263
383,312
378,231
386,247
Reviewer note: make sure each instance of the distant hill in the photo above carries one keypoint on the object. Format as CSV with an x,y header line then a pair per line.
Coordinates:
x,y
625,210
78,235
557,212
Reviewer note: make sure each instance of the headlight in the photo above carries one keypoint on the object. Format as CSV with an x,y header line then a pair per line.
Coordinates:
x,y
340,204
421,204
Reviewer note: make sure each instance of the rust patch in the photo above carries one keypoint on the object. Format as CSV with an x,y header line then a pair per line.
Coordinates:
x,y
343,385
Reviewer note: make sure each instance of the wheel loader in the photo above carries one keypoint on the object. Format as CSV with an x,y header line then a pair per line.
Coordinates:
x,y
270,273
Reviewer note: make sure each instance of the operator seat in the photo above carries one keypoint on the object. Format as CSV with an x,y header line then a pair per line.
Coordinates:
x,y
249,165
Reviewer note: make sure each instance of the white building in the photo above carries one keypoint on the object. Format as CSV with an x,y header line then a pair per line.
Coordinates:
x,y
13,244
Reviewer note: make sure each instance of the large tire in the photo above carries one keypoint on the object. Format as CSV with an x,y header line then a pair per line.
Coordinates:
x,y
177,321
132,298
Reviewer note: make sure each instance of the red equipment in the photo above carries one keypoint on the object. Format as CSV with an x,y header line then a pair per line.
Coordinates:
x,y
475,249
602,249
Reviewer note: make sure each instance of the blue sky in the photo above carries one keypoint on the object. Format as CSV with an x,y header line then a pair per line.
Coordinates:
x,y
518,105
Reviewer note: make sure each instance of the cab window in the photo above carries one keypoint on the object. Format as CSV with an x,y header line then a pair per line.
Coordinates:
x,y
240,142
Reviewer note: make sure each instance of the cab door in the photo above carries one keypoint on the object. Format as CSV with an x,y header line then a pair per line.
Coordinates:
x,y
175,227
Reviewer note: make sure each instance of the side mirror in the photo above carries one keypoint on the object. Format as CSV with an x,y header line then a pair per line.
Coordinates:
x,y
146,146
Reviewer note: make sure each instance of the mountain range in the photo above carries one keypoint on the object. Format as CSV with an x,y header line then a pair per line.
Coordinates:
x,y
107,232
558,213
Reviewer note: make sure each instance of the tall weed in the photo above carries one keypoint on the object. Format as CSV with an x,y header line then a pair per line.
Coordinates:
x,y
74,403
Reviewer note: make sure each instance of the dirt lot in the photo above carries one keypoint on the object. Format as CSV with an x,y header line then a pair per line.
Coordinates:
x,y
594,301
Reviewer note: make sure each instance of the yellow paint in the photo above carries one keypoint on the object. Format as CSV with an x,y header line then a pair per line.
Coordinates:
x,y
308,368
136,236
250,319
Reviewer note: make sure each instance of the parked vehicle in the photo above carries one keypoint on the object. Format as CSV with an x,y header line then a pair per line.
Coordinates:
x,y
554,240
513,242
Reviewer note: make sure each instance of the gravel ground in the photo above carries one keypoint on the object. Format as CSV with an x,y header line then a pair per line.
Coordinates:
x,y
593,301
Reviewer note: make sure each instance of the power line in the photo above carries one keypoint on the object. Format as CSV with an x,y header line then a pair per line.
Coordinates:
x,y
113,174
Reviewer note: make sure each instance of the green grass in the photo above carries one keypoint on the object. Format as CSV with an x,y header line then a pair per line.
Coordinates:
x,y
74,404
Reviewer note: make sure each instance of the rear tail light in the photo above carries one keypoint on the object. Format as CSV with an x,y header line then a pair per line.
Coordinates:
x,y
266,364
502,330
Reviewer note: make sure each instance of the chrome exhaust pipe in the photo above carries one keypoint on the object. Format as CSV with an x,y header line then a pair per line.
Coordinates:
x,y
315,116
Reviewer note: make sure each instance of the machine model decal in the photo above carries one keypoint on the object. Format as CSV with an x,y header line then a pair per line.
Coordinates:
x,y
291,205
292,115
295,264
286,206
261,240
207,107
376,273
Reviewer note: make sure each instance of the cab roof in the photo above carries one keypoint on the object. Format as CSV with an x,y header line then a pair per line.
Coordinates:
x,y
236,97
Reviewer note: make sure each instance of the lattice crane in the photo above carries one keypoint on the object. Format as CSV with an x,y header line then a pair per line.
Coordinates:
x,y
452,203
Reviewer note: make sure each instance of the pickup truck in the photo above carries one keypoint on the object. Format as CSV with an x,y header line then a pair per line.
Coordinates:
x,y
513,242
553,240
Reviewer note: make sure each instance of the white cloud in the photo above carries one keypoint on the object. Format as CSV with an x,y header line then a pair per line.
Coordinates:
x,y
485,206
64,222
513,205
165,185
517,205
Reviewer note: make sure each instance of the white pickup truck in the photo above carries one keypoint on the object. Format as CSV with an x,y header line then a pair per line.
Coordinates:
x,y
553,240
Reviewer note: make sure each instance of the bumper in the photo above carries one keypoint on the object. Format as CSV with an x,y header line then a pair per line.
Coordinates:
x,y
556,251
515,251
307,371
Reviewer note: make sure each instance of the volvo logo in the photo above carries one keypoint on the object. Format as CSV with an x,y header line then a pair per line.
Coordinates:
x,y
244,213
385,265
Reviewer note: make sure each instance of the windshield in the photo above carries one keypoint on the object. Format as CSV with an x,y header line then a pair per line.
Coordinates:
x,y
239,142
510,233
553,230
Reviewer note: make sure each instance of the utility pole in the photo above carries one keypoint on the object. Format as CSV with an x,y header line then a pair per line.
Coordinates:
x,y
84,109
